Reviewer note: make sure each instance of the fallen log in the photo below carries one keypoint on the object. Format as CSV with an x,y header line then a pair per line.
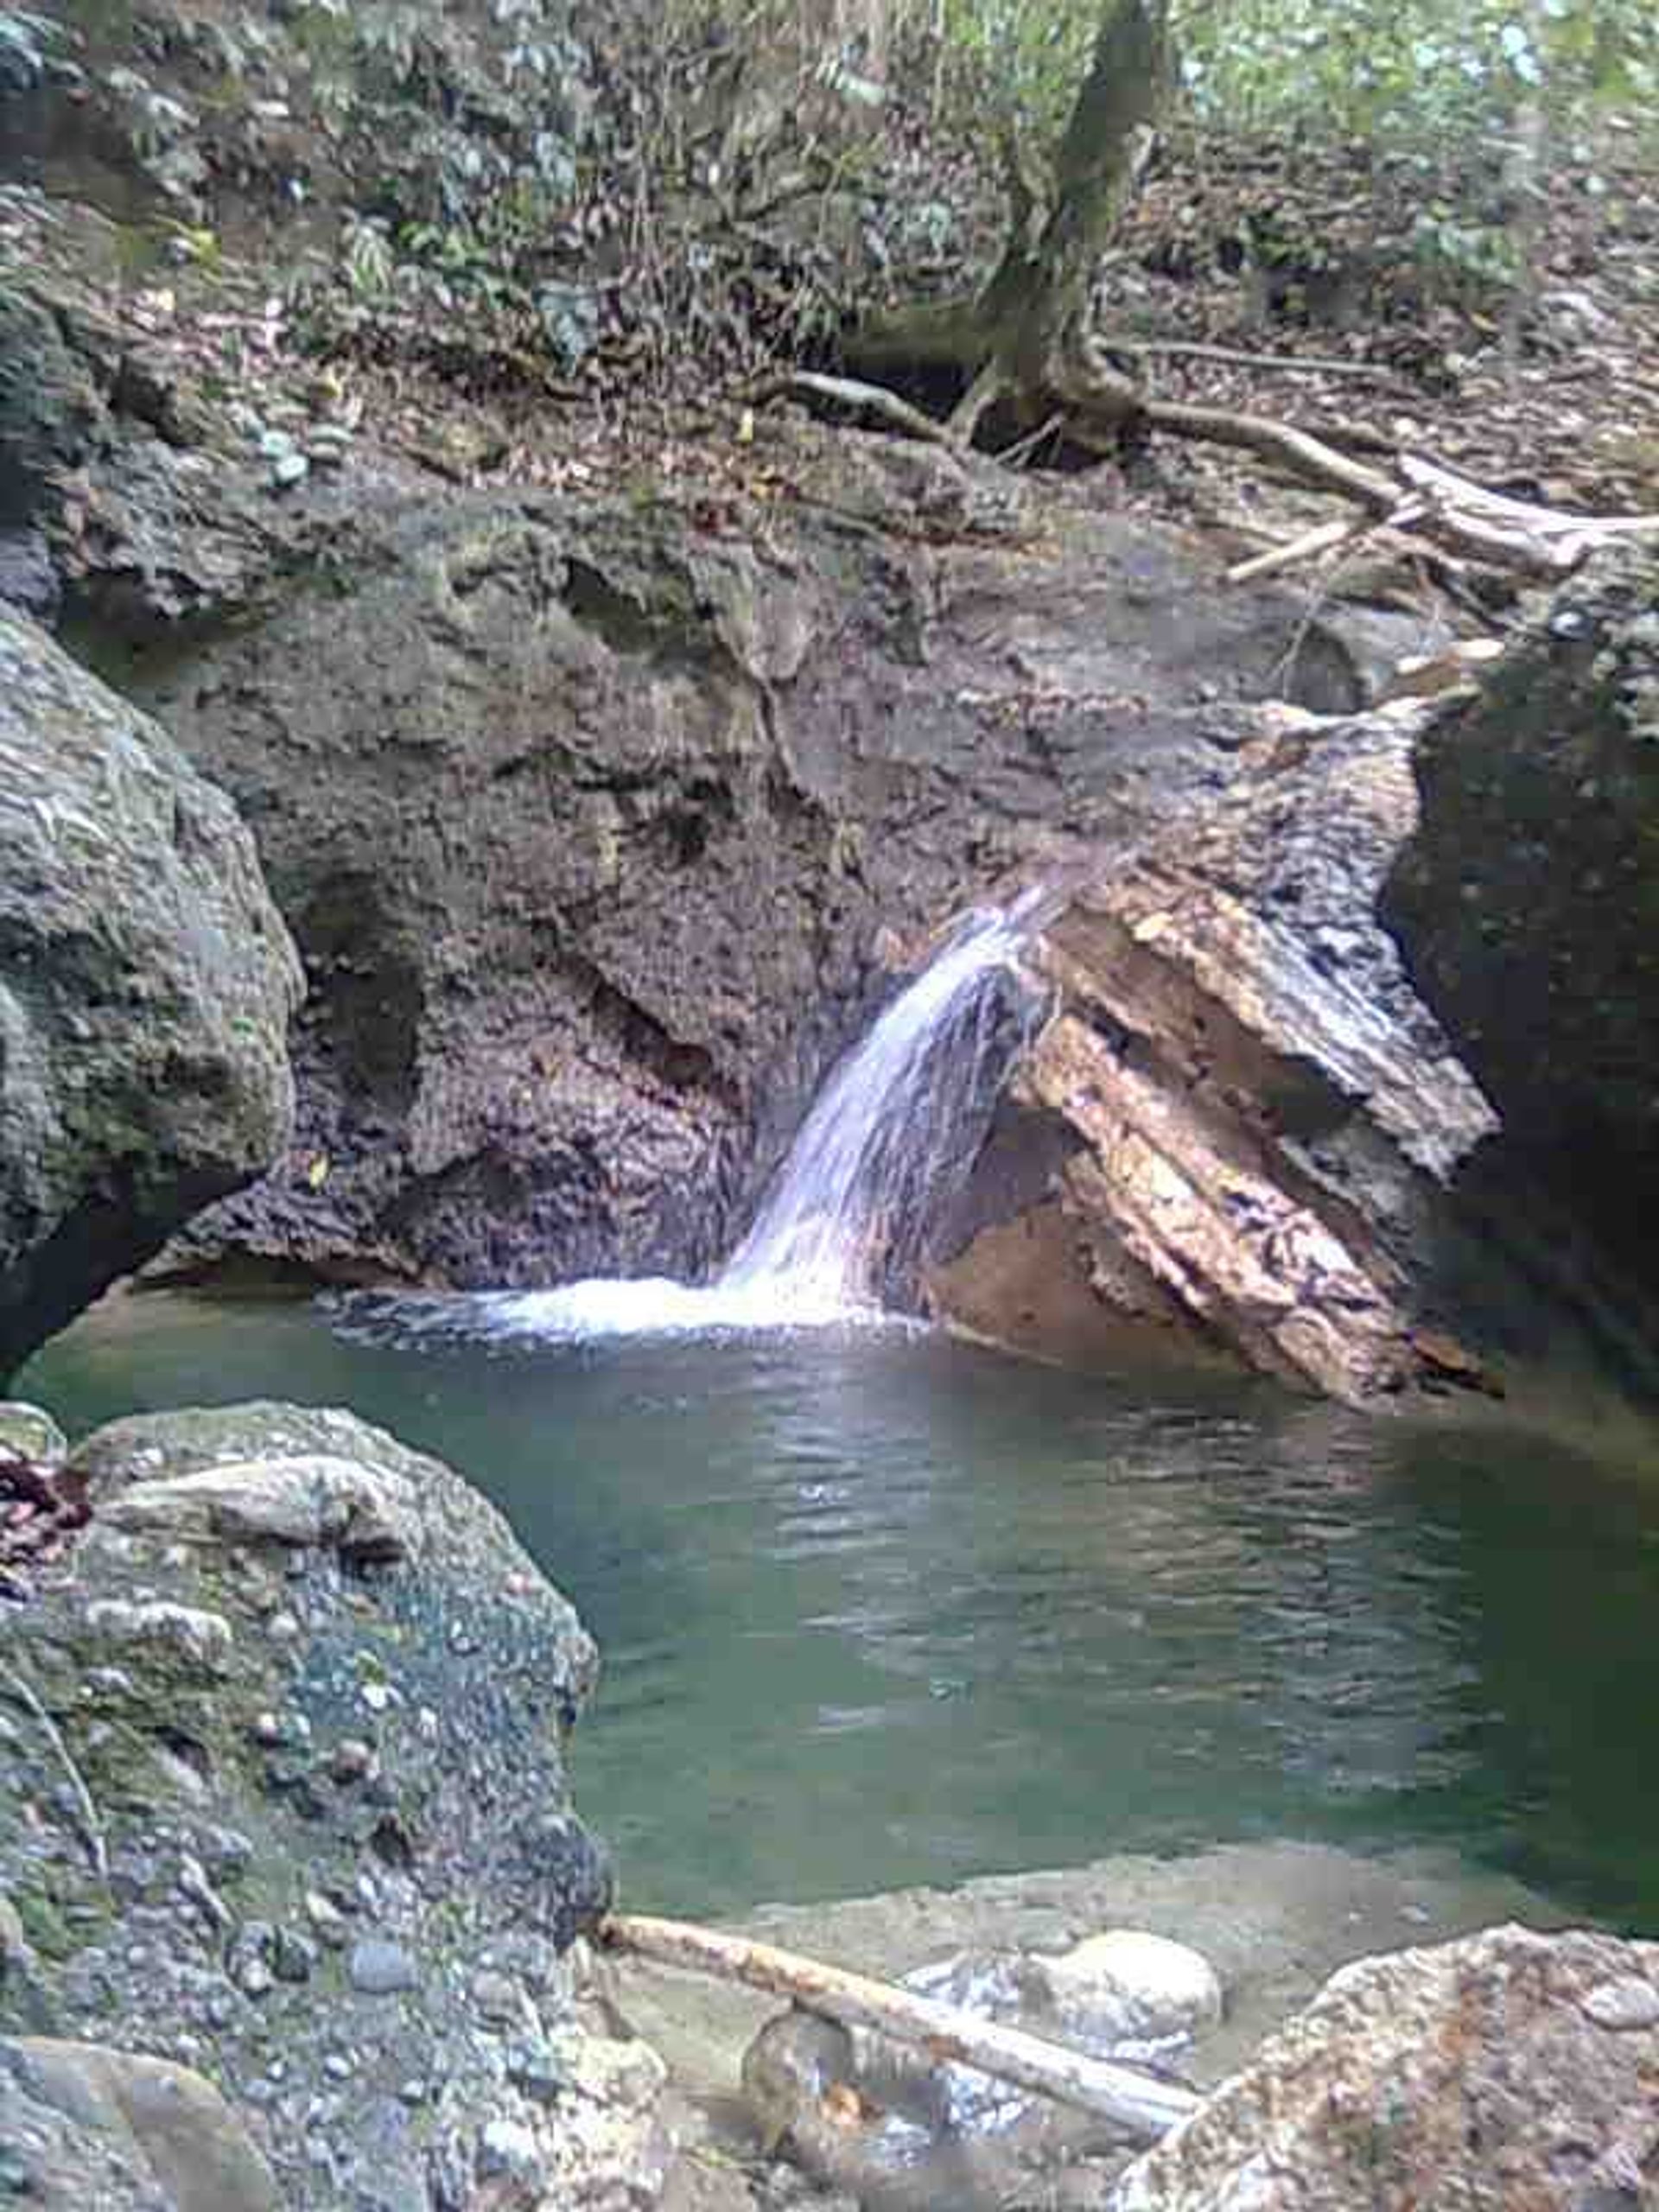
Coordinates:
x,y
1143,2105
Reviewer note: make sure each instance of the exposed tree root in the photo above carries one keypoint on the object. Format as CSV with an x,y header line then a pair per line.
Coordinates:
x,y
862,399
1080,397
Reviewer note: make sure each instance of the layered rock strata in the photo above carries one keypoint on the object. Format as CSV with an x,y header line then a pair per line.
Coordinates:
x,y
1239,1126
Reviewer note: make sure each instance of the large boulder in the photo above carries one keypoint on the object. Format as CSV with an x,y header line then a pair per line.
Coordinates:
x,y
81,2125
589,814
1527,905
146,984
1506,2070
283,1799
1240,1128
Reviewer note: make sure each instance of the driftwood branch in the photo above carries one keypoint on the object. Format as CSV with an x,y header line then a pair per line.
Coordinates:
x,y
1140,2104
1324,539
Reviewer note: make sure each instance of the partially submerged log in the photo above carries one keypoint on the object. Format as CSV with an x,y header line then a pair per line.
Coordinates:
x,y
1140,2104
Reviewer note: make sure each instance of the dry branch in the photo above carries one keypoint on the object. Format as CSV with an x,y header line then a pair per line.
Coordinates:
x,y
849,391
1140,2104
1098,405
92,1827
1324,539
1303,364
1305,456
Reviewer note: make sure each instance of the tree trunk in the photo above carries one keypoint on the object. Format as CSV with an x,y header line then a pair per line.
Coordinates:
x,y
1026,333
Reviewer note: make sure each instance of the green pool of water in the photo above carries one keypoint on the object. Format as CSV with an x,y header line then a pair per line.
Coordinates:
x,y
877,1609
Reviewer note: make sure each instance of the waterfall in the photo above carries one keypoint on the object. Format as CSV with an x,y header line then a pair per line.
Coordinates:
x,y
844,1225
893,1132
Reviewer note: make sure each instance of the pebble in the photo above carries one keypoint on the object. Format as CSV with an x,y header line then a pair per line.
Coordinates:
x,y
352,1759
495,1996
289,469
1627,2002
533,2069
227,1851
380,1968
247,1963
326,1918
13,1943
195,1885
508,2150
295,1955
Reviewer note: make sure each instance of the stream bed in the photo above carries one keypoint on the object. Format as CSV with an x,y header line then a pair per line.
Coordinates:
x,y
878,1609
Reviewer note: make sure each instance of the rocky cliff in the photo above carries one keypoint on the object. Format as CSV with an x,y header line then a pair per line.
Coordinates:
x,y
1239,1125
590,814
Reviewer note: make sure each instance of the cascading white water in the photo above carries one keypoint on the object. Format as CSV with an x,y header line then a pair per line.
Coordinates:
x,y
876,1156
889,1140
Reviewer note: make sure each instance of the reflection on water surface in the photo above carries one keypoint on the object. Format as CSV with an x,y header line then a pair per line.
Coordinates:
x,y
878,1609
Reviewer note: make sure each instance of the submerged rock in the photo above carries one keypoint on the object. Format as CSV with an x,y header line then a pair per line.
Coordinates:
x,y
898,2127
1485,2075
282,1798
145,989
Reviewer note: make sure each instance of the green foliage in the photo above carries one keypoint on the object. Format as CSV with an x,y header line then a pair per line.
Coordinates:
x,y
1027,58
1415,68
1408,69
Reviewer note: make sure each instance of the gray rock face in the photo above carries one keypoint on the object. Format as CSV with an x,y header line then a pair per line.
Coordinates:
x,y
589,818
317,1843
1527,905
1483,2076
146,984
50,410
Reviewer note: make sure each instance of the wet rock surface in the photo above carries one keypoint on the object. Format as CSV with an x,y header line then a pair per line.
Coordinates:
x,y
590,816
82,2127
1506,2069
1272,1920
283,1801
145,989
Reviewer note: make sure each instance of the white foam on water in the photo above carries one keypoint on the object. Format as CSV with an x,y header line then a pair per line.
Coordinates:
x,y
655,1305
892,1135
